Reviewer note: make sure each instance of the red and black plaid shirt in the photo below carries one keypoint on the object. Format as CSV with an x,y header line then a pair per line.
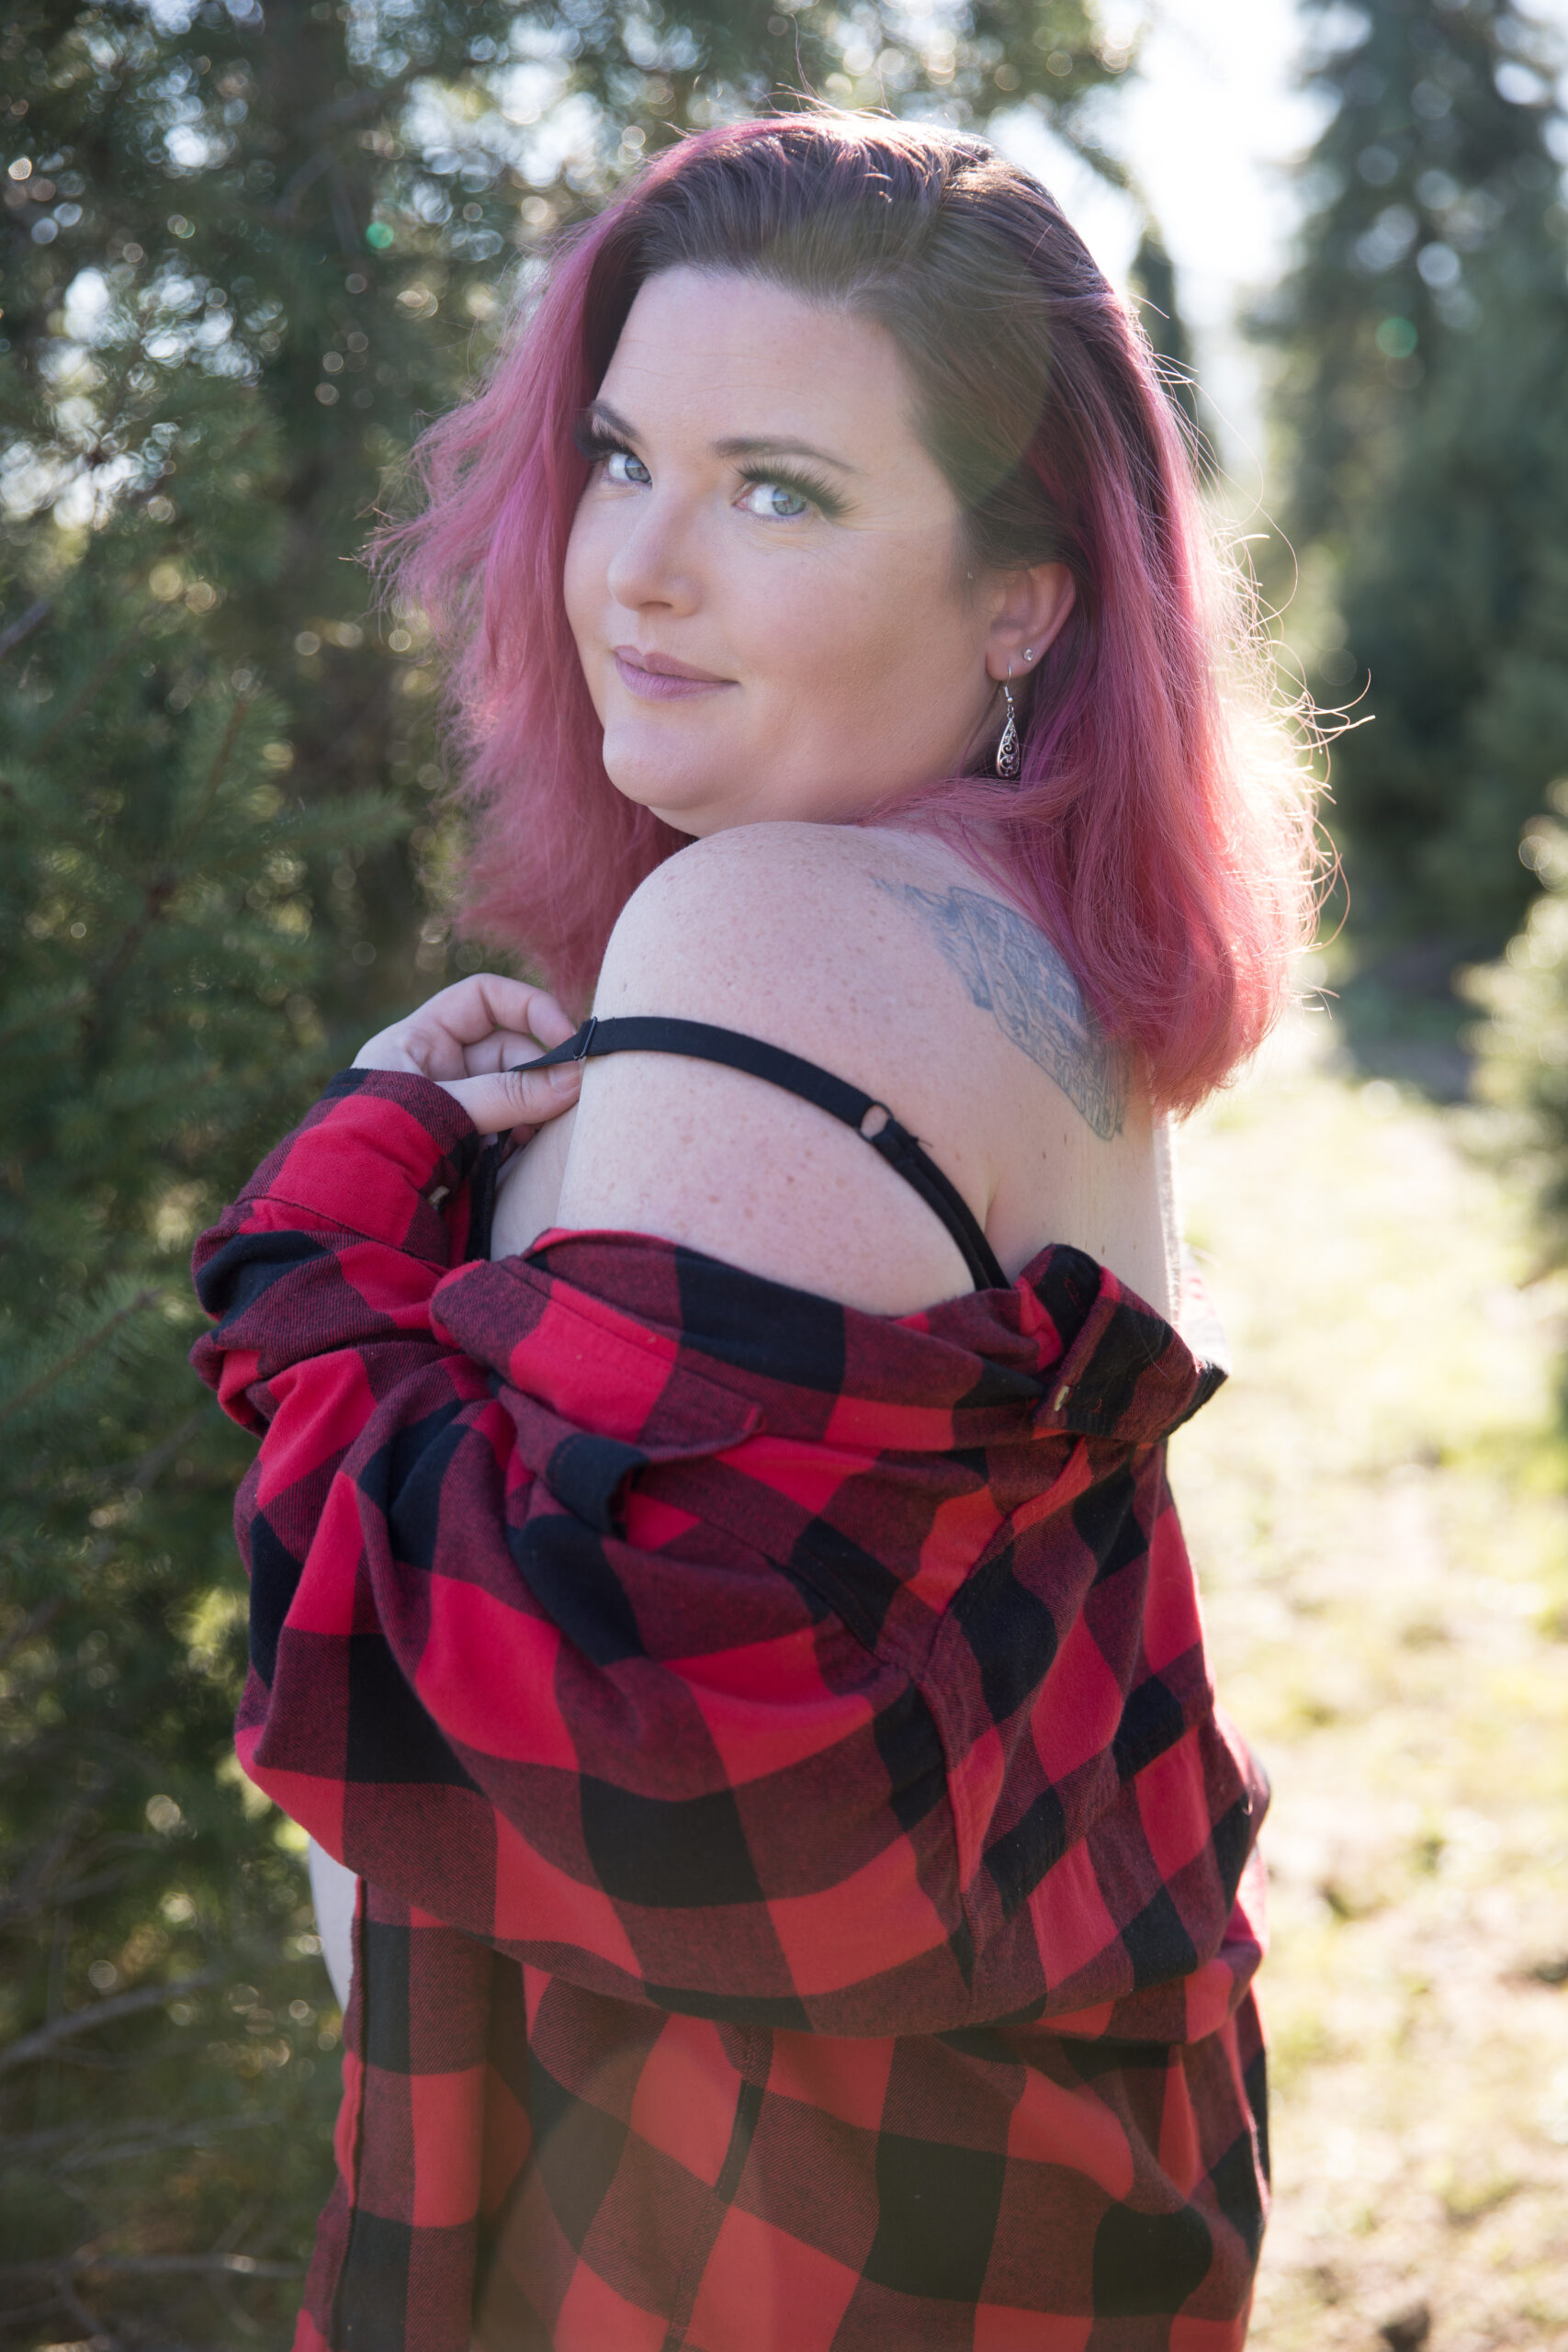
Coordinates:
x,y
810,1898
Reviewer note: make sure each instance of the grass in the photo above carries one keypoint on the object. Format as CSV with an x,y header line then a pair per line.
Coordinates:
x,y
1376,1505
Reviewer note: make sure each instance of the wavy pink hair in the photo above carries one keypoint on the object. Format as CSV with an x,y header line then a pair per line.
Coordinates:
x,y
1173,873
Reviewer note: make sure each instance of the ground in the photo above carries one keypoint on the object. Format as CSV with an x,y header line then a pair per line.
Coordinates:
x,y
1376,1505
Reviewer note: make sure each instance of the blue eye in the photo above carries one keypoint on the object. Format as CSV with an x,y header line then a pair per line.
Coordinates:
x,y
776,501
621,467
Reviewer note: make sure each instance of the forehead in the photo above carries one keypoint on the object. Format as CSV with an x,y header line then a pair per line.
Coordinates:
x,y
722,356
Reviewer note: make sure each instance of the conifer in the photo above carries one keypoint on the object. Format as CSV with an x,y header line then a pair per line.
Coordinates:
x,y
1424,395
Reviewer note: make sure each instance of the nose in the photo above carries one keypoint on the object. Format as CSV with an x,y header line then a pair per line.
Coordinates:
x,y
655,563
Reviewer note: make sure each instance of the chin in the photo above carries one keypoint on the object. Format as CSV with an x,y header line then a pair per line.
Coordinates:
x,y
676,798
697,795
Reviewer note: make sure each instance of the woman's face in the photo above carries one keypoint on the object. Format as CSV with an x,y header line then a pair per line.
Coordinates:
x,y
766,577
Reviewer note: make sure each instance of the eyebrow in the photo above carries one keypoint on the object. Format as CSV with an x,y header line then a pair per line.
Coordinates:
x,y
737,445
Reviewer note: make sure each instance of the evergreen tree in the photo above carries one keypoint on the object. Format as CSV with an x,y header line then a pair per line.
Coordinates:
x,y
164,2092
242,255
1154,290
1424,392
1522,1045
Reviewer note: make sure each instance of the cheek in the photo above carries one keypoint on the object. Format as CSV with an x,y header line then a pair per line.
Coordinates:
x,y
830,630
891,643
583,588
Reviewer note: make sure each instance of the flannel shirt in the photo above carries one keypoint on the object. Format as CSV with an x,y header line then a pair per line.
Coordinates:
x,y
810,1897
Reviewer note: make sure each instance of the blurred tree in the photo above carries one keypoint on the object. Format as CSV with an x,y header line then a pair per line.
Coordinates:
x,y
163,2101
1424,392
242,255
1155,291
1522,1045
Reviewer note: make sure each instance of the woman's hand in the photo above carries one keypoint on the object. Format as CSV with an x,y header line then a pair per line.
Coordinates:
x,y
468,1038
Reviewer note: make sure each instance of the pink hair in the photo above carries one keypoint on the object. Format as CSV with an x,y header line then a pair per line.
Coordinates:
x,y
1172,872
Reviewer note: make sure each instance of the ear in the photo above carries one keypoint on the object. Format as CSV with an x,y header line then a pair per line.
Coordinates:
x,y
1031,609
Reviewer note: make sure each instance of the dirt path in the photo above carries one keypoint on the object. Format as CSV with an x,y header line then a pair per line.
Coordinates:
x,y
1384,1561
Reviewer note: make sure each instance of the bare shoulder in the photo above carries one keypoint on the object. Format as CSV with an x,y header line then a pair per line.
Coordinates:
x,y
874,932
790,932
741,905
883,958
785,932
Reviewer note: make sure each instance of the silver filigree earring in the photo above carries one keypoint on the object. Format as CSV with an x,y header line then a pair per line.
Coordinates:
x,y
1006,750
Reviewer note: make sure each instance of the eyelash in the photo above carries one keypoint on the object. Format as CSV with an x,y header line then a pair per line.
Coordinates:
x,y
595,445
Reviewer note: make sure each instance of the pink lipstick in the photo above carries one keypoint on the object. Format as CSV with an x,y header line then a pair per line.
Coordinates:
x,y
658,677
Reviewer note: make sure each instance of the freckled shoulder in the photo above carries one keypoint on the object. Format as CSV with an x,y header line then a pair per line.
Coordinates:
x,y
781,933
752,911
846,936
745,857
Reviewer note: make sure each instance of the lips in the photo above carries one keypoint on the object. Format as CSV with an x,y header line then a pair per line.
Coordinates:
x,y
658,677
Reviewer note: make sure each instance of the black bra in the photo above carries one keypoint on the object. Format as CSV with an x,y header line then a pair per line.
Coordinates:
x,y
871,1119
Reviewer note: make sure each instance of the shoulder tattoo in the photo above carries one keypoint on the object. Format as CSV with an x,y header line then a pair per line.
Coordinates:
x,y
1012,971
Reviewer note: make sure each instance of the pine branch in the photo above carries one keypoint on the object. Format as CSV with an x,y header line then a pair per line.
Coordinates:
x,y
236,2266
151,2265
44,1615
138,2135
32,1889
1099,157
16,632
354,105
215,775
65,1898
298,181
138,1304
50,1008
141,1473
161,887
92,686
48,2038
95,2333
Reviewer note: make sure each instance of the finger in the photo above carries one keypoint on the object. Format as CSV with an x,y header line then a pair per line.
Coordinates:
x,y
516,1098
449,1035
469,1009
501,1050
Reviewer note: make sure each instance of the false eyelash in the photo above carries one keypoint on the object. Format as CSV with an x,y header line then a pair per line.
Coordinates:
x,y
821,494
594,444
591,442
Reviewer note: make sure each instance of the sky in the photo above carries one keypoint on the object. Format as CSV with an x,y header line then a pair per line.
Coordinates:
x,y
1209,130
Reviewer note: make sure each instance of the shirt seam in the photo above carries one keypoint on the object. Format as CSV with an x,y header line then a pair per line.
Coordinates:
x,y
329,1226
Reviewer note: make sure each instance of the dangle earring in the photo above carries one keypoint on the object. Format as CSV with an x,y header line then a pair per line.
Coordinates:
x,y
1008,749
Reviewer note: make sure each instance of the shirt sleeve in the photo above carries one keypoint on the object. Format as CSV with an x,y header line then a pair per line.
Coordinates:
x,y
503,1664
338,1240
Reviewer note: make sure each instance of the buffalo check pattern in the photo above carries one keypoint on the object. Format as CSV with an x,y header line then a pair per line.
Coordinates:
x,y
809,1895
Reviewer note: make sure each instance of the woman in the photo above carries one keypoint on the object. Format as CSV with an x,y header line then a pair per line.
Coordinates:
x,y
717,1584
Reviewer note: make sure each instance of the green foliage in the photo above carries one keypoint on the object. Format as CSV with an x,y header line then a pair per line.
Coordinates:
x,y
242,258
1424,390
162,2091
1522,1045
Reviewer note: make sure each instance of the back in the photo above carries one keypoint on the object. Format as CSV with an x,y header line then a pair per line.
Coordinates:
x,y
880,955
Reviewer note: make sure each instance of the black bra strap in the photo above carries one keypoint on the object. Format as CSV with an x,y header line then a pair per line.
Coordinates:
x,y
701,1042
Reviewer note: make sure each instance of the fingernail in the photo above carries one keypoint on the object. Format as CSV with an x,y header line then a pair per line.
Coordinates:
x,y
566,1074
